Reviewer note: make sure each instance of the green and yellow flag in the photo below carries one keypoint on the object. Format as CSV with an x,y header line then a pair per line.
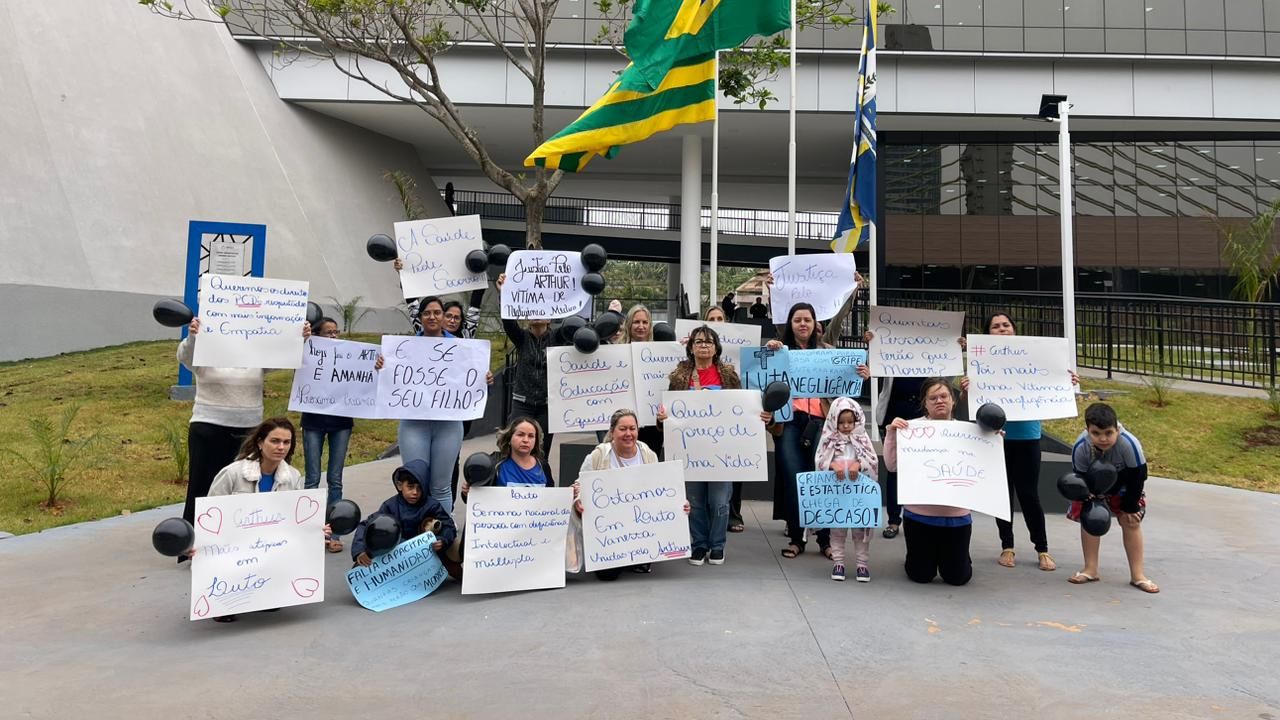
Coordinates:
x,y
664,31
631,111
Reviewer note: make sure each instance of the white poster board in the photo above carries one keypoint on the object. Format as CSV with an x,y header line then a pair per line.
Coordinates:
x,y
543,284
733,337
336,378
633,515
1028,377
652,363
907,342
434,254
515,538
584,390
248,322
949,462
717,435
428,378
824,280
257,551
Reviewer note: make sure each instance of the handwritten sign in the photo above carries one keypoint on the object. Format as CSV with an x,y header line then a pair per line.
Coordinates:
x,y
1028,377
425,378
716,435
584,390
828,501
824,280
652,363
634,515
434,253
948,462
250,322
336,378
821,373
544,284
515,538
907,342
761,366
257,551
733,337
411,571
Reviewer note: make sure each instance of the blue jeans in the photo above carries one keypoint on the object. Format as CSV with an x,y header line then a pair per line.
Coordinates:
x,y
708,514
439,443
312,447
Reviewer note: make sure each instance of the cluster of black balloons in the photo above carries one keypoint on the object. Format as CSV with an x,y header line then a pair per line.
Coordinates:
x,y
175,313
174,536
1091,490
478,469
990,417
776,395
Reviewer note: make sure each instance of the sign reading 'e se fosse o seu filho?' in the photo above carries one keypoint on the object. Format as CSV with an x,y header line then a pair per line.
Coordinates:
x,y
433,378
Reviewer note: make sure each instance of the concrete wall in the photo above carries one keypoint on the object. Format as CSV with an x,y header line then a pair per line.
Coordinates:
x,y
119,127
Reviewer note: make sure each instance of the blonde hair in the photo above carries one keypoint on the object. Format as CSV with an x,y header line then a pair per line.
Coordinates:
x,y
631,315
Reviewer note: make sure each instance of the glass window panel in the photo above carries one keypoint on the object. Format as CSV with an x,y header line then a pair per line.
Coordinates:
x,y
1022,170
952,200
1019,278
1273,44
1082,40
1047,163
1043,39
1204,15
1126,41
1267,194
962,38
1126,200
1095,200
1239,202
1094,164
1007,13
1123,156
1051,278
942,277
1235,164
923,12
1196,200
1206,42
1022,200
1167,14
1093,280
1155,164
1271,14
1043,13
1001,39
1246,43
1083,14
949,163
1267,166
1157,200
1125,14
1047,199
904,276
962,12
1166,42
1196,163
1244,14
1161,283
982,277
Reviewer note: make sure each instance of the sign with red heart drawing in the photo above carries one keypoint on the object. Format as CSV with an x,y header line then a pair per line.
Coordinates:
x,y
953,463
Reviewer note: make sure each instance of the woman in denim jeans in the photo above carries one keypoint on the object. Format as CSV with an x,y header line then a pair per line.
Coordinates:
x,y
316,428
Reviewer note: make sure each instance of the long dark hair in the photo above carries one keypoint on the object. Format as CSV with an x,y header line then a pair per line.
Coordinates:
x,y
424,302
987,328
789,334
250,450
508,432
712,334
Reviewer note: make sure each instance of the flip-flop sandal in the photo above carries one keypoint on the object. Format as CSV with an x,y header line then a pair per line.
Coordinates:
x,y
1007,552
1145,586
791,551
1081,578
1047,559
889,532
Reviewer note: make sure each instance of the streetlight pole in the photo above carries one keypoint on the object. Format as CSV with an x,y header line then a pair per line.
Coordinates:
x,y
1066,212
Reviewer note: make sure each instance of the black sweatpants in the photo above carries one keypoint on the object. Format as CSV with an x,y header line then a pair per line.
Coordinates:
x,y
1022,466
735,504
209,449
933,550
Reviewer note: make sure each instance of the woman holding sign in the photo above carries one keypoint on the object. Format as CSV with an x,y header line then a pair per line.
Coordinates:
x,y
1022,469
529,388
336,429
638,328
937,535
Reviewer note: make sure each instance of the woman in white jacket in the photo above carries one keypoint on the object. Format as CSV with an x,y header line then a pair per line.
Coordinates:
x,y
263,462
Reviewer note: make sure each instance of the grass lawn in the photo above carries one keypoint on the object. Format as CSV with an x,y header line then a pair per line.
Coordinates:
x,y
123,393
1198,437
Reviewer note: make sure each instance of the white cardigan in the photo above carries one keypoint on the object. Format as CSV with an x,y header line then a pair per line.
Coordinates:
x,y
242,476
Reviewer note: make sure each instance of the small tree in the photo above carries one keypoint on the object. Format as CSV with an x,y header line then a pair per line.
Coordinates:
x,y
55,455
1251,254
350,312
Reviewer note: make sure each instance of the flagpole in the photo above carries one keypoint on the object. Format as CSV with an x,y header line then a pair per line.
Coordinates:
x,y
714,294
791,147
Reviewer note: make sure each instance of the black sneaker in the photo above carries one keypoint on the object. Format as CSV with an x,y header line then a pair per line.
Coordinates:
x,y
717,557
698,557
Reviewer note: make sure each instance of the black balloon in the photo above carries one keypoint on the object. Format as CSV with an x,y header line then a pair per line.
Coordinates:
x,y
314,313
1095,517
568,327
173,537
1073,487
990,416
477,261
663,332
776,394
593,283
594,257
343,517
607,324
585,340
172,313
1101,476
478,469
381,248
381,533
498,255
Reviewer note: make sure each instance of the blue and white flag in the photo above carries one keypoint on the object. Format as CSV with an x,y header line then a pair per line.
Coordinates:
x,y
859,211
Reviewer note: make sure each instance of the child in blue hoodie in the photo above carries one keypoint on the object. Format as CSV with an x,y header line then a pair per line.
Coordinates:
x,y
415,511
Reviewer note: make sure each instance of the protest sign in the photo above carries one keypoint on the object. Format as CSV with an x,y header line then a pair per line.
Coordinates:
x,y
824,280
515,538
827,501
825,372
248,322
634,515
336,378
733,337
411,571
652,363
1028,377
434,254
432,378
761,366
544,284
584,390
716,435
907,342
948,462
257,551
